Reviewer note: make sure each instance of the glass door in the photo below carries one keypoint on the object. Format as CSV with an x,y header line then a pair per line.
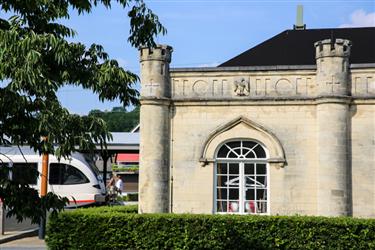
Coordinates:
x,y
241,187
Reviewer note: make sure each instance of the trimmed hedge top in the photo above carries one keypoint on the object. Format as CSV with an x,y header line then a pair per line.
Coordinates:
x,y
129,209
116,228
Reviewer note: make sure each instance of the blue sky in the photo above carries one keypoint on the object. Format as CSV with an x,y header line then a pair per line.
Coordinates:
x,y
205,32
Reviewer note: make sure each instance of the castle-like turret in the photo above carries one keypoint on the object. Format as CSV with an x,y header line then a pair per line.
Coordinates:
x,y
154,130
332,60
155,77
332,77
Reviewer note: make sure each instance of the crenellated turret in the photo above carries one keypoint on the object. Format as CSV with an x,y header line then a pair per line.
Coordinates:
x,y
155,78
154,119
332,61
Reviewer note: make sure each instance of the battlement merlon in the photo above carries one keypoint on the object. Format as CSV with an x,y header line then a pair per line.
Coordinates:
x,y
159,53
332,48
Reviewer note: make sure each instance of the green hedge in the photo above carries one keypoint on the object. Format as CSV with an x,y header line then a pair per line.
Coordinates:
x,y
125,168
114,228
129,209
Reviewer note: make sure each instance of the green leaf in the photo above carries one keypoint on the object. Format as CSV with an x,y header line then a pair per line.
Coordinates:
x,y
36,59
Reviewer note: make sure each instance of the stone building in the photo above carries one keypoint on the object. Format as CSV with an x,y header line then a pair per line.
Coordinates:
x,y
287,127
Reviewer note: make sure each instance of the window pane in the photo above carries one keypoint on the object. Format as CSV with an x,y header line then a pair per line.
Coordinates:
x,y
250,155
234,181
54,174
261,194
221,206
234,168
262,207
25,173
250,207
232,155
245,152
222,168
63,174
73,176
261,181
250,194
259,151
249,169
250,181
249,144
238,151
222,194
261,169
234,144
223,151
233,206
233,194
221,181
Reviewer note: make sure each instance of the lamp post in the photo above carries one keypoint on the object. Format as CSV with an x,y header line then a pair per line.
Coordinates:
x,y
43,192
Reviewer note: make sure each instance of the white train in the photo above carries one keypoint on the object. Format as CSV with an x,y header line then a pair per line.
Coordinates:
x,y
76,178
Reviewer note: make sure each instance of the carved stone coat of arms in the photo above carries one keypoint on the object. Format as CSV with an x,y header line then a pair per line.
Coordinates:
x,y
241,87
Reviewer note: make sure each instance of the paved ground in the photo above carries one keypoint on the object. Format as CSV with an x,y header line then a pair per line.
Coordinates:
x,y
11,225
29,243
14,231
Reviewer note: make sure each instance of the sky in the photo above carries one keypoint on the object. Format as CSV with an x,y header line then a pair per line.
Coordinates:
x,y
204,33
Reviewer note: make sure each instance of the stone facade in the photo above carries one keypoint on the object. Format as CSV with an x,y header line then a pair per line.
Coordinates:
x,y
317,123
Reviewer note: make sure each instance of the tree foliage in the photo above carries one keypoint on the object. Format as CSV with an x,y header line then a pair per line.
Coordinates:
x,y
36,59
118,119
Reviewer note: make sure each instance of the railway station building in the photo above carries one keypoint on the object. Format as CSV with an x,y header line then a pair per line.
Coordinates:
x,y
287,127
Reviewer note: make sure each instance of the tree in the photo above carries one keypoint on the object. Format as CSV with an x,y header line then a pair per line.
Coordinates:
x,y
118,119
35,61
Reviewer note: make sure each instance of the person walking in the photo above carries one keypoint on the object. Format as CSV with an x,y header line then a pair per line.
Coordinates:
x,y
119,184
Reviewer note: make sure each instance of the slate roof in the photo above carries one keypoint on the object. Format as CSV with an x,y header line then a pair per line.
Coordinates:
x,y
296,47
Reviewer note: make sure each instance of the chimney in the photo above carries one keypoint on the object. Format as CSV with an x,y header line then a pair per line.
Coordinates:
x,y
299,20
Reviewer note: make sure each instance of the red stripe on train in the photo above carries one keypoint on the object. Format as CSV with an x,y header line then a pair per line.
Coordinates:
x,y
81,201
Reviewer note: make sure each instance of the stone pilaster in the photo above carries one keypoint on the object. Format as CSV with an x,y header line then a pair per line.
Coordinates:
x,y
154,130
333,195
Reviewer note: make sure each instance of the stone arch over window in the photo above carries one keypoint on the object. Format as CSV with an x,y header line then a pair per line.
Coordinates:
x,y
243,129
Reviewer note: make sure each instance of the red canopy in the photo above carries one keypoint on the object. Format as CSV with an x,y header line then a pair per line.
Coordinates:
x,y
127,157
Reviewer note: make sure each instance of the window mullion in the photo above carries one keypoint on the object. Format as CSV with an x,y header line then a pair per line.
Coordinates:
x,y
242,188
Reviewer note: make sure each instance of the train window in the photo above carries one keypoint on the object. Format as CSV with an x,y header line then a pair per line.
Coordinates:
x,y
64,174
25,173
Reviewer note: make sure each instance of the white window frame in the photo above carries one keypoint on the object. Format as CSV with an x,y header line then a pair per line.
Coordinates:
x,y
241,161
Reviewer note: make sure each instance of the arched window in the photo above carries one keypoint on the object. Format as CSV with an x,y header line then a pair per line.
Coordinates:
x,y
241,181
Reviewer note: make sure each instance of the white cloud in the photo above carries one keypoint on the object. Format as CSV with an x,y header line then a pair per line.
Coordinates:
x,y
360,18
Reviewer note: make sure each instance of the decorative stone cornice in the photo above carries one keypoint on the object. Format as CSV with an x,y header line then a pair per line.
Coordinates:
x,y
273,101
155,101
333,99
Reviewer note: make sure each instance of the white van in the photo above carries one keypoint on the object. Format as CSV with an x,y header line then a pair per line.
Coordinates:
x,y
76,178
